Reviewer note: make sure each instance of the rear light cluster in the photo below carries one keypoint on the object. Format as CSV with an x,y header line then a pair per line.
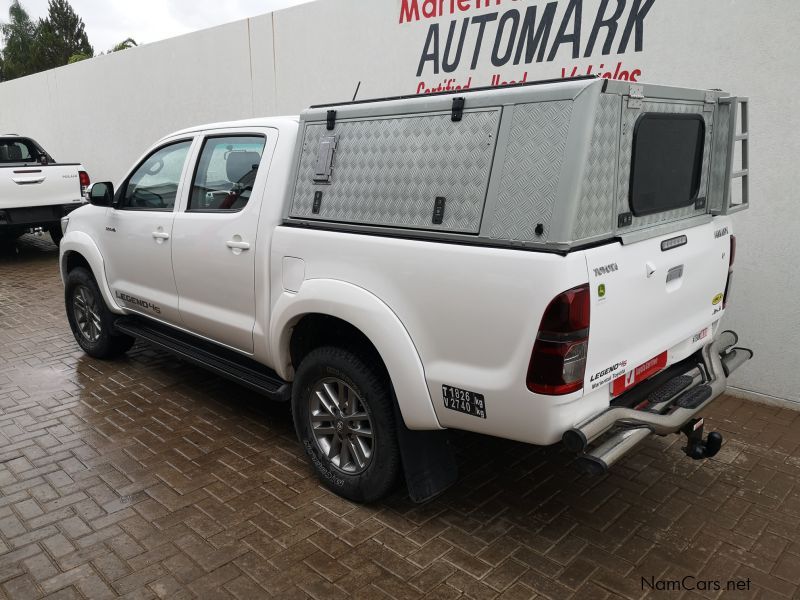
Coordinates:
x,y
730,271
85,182
558,362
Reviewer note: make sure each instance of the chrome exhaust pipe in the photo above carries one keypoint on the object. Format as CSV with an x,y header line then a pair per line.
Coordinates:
x,y
728,339
599,460
735,358
704,390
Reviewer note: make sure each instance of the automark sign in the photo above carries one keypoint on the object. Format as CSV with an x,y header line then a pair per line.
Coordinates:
x,y
465,36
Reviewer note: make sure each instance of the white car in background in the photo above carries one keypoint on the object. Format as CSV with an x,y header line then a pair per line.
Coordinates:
x,y
35,190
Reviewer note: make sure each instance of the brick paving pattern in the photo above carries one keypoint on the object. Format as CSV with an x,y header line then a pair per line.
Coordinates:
x,y
149,478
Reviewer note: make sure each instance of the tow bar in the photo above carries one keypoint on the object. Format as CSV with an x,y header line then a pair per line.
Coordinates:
x,y
671,408
697,448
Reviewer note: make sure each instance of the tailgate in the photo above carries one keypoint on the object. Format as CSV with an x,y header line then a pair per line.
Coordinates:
x,y
657,295
38,185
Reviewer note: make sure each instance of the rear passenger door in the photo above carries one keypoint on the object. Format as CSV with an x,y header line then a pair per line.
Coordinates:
x,y
215,236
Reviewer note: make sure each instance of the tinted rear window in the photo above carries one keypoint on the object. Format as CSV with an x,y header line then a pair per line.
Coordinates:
x,y
17,150
667,162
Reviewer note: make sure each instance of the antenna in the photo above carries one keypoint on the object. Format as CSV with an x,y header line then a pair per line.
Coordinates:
x,y
358,87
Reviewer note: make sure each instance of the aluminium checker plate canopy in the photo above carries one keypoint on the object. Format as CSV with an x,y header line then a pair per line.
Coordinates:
x,y
540,166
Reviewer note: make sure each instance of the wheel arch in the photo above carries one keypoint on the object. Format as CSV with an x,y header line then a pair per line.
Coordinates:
x,y
364,318
77,249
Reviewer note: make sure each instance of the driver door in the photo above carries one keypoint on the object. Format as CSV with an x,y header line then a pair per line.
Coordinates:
x,y
137,240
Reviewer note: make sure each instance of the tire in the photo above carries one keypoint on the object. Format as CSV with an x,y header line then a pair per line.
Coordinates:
x,y
91,322
56,234
364,391
10,236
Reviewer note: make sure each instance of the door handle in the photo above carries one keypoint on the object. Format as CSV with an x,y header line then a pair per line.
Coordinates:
x,y
160,235
28,181
238,245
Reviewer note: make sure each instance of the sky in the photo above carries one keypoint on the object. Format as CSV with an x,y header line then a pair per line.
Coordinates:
x,y
109,22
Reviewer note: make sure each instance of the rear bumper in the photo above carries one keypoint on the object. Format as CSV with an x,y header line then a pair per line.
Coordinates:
x,y
668,409
35,216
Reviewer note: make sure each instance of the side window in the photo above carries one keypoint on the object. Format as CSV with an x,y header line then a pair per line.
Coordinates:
x,y
226,172
667,162
154,185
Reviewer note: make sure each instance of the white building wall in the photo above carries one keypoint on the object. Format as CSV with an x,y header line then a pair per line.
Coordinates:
x,y
107,111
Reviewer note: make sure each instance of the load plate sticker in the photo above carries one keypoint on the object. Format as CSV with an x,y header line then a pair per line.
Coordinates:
x,y
464,401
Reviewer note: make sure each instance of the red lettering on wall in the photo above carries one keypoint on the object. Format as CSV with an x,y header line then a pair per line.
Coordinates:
x,y
619,72
409,11
417,10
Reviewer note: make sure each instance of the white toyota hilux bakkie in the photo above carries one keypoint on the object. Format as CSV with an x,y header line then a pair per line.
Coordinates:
x,y
544,262
35,190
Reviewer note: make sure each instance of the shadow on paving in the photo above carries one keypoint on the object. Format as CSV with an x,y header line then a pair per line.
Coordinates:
x,y
150,477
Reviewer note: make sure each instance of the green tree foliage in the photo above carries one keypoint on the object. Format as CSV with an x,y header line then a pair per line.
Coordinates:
x,y
60,37
19,36
124,45
78,58
30,47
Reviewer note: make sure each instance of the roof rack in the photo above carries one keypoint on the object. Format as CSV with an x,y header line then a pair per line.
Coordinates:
x,y
449,92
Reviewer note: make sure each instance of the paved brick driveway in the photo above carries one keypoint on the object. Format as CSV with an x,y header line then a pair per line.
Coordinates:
x,y
150,478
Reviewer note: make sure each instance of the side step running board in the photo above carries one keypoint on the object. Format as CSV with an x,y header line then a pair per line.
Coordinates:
x,y
208,355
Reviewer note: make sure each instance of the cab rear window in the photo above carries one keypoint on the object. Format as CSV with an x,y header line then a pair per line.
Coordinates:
x,y
15,150
667,162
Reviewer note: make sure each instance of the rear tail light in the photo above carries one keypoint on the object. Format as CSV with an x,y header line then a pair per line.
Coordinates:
x,y
730,272
558,361
85,182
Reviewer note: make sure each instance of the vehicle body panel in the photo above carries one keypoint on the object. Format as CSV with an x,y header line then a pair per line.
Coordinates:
x,y
34,190
639,313
442,313
39,185
216,283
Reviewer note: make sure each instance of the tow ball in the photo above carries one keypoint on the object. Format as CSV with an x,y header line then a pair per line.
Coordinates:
x,y
696,447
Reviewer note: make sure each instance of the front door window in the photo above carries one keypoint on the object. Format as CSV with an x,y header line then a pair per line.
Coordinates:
x,y
154,184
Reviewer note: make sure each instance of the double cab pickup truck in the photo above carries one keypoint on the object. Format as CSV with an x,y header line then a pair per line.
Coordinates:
x,y
545,263
36,191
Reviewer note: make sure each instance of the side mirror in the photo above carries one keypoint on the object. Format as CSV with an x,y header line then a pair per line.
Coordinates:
x,y
43,159
102,194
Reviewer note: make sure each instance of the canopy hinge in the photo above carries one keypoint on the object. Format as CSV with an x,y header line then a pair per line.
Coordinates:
x,y
458,109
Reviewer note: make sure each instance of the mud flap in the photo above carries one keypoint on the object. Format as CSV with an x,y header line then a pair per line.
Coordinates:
x,y
429,464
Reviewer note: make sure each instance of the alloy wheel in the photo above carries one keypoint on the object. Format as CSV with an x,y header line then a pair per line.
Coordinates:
x,y
341,425
87,313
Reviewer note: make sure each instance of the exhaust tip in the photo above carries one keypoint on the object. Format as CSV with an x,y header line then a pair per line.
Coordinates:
x,y
735,358
591,465
727,339
574,440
